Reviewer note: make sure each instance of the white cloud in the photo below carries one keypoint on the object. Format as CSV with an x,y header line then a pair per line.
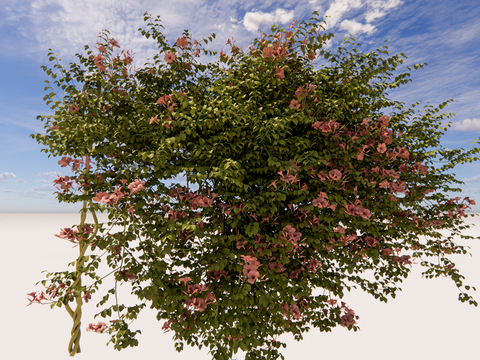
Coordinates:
x,y
66,27
467,125
38,192
20,181
337,9
354,27
49,175
472,179
5,176
46,187
252,20
340,8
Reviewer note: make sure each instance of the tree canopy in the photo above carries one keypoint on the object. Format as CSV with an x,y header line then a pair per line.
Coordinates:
x,y
281,154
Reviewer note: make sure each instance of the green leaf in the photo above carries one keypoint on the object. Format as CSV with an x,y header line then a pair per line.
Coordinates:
x,y
252,229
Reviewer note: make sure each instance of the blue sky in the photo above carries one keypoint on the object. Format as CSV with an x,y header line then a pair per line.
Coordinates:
x,y
444,34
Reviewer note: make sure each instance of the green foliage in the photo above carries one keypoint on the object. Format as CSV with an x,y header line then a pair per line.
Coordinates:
x,y
272,238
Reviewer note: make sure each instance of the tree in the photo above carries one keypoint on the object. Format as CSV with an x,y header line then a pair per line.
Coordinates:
x,y
281,154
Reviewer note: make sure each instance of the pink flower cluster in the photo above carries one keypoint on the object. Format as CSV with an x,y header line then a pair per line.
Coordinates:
x,y
197,302
348,318
292,309
52,291
250,268
99,59
100,327
70,234
112,199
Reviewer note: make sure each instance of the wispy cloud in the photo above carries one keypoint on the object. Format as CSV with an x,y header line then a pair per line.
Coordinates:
x,y
5,176
467,125
40,192
378,9
472,179
49,174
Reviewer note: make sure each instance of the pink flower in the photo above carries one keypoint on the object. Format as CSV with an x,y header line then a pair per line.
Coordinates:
x,y
117,250
63,182
170,57
387,251
67,233
87,297
200,303
35,299
347,320
403,153
335,174
99,62
163,99
247,268
166,327
65,161
182,42
294,103
320,201
153,119
295,311
381,148
127,275
73,108
383,121
276,266
252,276
113,42
109,199
118,193
312,55
136,186
101,49
184,280
250,268
371,241
97,328
279,73
313,264
127,57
